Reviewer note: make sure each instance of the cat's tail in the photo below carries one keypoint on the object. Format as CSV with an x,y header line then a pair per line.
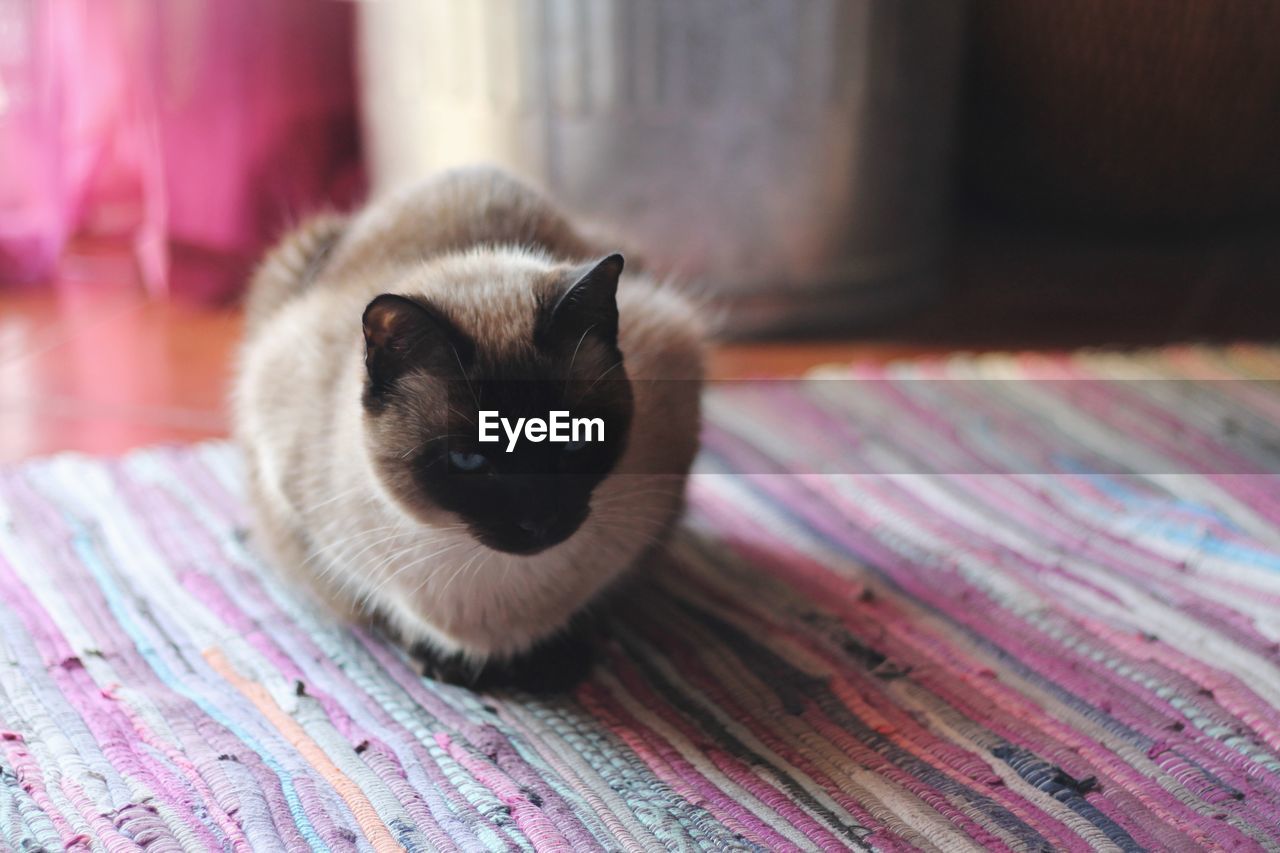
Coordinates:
x,y
291,266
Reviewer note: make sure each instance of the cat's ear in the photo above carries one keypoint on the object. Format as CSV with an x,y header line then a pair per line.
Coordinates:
x,y
401,334
589,306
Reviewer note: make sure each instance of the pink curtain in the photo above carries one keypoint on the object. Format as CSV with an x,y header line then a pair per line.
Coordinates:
x,y
196,126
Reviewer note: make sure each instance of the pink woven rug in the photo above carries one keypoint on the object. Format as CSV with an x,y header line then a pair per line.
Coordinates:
x,y
1018,603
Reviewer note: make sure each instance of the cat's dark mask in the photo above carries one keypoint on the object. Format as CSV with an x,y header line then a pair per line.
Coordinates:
x,y
429,379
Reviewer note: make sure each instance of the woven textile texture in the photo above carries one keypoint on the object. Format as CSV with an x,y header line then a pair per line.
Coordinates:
x,y
1006,609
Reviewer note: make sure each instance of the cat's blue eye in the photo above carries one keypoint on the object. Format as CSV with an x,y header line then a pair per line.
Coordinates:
x,y
464,461
574,446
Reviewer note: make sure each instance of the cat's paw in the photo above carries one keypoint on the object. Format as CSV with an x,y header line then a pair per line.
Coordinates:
x,y
555,665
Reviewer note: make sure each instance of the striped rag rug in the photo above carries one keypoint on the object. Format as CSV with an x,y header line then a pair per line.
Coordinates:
x,y
1014,602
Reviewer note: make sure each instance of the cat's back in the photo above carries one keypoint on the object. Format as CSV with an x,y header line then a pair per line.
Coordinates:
x,y
306,299
454,211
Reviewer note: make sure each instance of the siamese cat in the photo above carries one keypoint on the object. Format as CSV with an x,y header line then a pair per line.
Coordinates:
x,y
376,344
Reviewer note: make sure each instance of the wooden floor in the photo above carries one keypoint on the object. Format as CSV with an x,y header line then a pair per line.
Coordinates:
x,y
101,373
95,365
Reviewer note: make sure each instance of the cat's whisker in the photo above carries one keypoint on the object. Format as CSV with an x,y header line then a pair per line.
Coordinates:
x,y
602,376
465,377
345,493
629,508
475,555
475,546
568,374
484,564
632,498
407,551
462,413
649,518
420,445
412,565
632,520
348,540
344,564
506,570
621,497
424,539
353,560
460,571
427,532
635,501
629,531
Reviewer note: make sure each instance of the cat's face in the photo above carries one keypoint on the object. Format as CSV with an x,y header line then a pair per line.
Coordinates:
x,y
429,379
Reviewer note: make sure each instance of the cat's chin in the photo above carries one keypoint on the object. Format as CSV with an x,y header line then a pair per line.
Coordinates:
x,y
518,548
523,543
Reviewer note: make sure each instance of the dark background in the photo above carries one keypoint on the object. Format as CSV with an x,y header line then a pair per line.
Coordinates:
x,y
1118,176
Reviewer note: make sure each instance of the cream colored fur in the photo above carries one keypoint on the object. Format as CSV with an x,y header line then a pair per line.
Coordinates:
x,y
476,242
